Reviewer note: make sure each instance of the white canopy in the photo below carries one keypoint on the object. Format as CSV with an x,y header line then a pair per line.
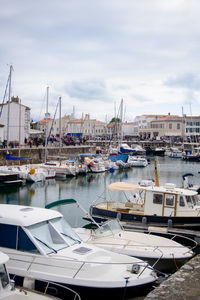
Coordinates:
x,y
123,186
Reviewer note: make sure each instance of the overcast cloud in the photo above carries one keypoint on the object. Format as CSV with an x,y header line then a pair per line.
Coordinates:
x,y
93,53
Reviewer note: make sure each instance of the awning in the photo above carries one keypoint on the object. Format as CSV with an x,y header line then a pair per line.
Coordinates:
x,y
75,134
123,186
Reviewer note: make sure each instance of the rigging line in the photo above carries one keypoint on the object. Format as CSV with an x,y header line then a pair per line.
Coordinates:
x,y
4,95
53,120
44,99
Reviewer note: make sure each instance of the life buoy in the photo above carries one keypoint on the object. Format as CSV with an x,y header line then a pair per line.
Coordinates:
x,y
32,171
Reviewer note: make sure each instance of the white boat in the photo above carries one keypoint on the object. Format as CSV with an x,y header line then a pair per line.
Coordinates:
x,y
61,169
151,205
43,247
8,291
133,150
175,153
137,161
95,165
25,172
163,254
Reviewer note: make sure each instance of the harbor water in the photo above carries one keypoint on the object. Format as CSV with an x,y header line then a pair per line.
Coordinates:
x,y
93,187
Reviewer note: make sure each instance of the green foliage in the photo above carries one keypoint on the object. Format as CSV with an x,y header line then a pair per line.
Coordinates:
x,y
116,120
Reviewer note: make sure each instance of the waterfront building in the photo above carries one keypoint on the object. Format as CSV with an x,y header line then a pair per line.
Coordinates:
x,y
172,127
80,127
141,123
1,133
128,129
42,124
19,121
192,128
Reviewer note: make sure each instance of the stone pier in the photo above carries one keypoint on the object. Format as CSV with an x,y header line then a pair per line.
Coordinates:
x,y
182,285
37,153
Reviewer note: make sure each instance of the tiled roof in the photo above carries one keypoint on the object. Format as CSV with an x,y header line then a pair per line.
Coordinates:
x,y
168,118
44,120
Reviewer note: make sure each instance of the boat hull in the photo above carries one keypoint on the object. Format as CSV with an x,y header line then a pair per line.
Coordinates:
x,y
192,223
87,293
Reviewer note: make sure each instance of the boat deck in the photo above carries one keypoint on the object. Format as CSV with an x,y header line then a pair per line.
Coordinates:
x,y
127,207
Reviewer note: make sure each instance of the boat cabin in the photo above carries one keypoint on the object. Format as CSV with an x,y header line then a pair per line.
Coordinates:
x,y
4,277
171,201
34,230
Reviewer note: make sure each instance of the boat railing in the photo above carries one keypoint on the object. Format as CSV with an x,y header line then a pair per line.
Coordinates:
x,y
192,244
81,263
76,295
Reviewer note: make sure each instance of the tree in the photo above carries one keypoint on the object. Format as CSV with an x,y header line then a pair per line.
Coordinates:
x,y
116,120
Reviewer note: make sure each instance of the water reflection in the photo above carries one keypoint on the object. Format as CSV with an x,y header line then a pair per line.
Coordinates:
x,y
87,189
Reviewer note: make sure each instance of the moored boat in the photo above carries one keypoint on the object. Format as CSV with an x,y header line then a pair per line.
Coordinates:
x,y
8,291
153,205
43,247
164,254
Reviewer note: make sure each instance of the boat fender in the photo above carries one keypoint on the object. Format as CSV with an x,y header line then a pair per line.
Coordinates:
x,y
91,164
144,220
170,224
29,283
119,216
32,171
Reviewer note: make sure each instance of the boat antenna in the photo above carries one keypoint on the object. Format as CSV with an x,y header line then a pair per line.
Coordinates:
x,y
156,174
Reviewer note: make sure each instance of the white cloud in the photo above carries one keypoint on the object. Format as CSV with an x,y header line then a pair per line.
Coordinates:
x,y
93,53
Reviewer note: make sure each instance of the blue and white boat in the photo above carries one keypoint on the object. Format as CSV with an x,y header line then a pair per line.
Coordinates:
x,y
43,247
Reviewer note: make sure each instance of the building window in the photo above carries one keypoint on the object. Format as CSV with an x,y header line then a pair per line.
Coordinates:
x,y
178,126
170,125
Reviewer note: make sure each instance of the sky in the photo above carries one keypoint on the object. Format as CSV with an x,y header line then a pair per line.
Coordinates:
x,y
93,53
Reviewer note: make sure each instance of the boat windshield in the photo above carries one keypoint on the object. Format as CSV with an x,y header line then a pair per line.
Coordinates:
x,y
108,229
4,276
48,235
192,200
66,231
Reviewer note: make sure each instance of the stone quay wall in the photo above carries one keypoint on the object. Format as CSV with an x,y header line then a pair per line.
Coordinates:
x,y
184,284
37,154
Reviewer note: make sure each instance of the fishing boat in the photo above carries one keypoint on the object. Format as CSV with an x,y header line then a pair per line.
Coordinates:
x,y
151,205
164,254
8,291
43,247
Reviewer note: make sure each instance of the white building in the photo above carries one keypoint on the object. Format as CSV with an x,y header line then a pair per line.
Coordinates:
x,y
128,129
84,126
19,121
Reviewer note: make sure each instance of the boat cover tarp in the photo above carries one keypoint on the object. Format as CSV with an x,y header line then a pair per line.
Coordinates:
x,y
114,158
123,186
125,150
9,157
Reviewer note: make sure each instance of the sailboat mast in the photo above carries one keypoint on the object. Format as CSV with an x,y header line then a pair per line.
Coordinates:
x,y
9,100
19,149
59,126
46,129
